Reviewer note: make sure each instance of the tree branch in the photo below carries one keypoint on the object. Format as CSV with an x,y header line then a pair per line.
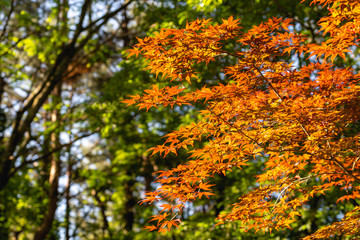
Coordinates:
x,y
51,152
104,20
3,32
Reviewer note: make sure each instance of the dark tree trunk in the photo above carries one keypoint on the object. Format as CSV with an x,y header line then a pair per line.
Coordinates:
x,y
130,203
102,206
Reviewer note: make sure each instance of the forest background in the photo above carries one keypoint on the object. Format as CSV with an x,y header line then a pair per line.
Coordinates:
x,y
74,161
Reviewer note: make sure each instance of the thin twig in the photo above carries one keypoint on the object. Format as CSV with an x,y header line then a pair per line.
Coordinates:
x,y
357,159
281,99
283,191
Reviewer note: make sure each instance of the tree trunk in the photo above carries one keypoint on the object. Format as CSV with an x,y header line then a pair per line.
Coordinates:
x,y
129,214
45,227
25,116
68,197
102,206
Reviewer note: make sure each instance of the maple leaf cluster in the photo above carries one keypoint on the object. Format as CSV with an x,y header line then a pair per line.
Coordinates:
x,y
293,116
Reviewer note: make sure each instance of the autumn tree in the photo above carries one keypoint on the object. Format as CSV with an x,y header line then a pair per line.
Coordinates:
x,y
302,120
